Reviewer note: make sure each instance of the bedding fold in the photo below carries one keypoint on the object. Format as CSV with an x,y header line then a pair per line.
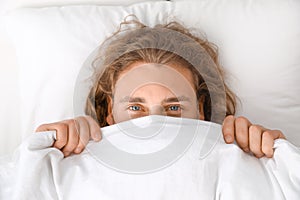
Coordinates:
x,y
178,159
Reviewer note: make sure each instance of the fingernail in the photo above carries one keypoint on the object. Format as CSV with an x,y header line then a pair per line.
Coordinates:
x,y
246,150
98,136
77,150
228,138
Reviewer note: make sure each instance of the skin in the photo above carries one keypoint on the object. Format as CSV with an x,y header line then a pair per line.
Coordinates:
x,y
158,96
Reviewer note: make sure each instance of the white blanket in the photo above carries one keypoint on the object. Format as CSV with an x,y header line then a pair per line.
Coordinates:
x,y
151,158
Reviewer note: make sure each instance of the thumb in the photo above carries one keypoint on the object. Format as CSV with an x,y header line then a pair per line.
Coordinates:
x,y
42,140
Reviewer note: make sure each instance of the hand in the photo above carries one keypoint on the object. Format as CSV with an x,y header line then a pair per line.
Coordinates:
x,y
250,137
72,135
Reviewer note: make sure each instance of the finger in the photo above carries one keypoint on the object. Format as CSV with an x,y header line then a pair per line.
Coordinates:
x,y
242,125
228,129
95,130
73,138
44,127
84,134
61,133
49,127
268,138
255,140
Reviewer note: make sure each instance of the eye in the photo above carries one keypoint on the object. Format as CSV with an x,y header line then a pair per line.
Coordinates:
x,y
174,108
135,108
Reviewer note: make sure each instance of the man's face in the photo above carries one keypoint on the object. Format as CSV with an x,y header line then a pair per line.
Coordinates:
x,y
152,89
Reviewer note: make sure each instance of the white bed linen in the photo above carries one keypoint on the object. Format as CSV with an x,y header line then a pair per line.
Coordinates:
x,y
209,169
258,41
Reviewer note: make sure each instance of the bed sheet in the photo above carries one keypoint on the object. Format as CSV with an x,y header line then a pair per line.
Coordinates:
x,y
124,166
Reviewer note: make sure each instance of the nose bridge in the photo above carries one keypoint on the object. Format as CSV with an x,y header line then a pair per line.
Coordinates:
x,y
157,110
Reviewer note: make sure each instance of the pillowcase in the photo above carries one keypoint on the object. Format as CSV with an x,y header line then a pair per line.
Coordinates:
x,y
9,5
52,44
9,116
259,46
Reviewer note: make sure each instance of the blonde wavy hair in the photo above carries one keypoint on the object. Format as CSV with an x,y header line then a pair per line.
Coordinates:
x,y
127,47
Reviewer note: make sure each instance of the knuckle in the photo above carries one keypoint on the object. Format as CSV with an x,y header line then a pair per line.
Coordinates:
x,y
230,117
80,118
89,118
62,126
241,119
254,128
74,125
267,134
71,122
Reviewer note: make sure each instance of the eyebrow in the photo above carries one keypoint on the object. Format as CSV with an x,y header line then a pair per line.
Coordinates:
x,y
176,99
143,100
132,100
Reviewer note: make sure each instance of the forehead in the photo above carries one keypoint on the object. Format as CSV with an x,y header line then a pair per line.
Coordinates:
x,y
170,71
177,80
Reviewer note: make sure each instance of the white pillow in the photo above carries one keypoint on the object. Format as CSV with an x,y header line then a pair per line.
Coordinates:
x,y
52,43
259,43
9,106
12,4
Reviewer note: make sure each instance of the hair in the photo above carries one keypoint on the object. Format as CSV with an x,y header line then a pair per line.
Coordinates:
x,y
114,61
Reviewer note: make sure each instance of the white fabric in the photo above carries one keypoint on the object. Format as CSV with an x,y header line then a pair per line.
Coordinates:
x,y
62,53
12,4
10,119
259,47
208,169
